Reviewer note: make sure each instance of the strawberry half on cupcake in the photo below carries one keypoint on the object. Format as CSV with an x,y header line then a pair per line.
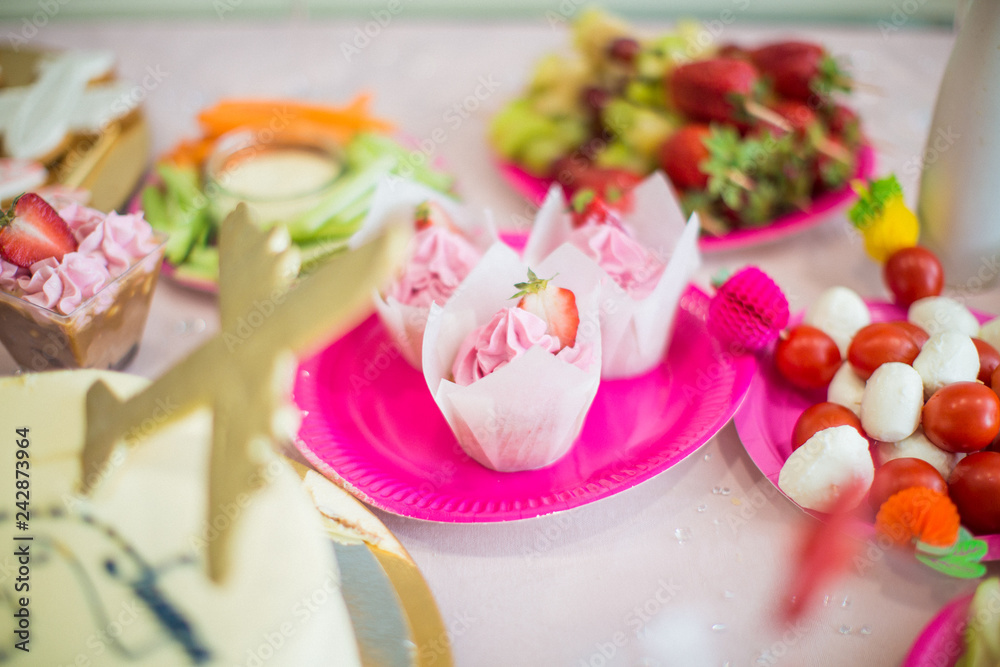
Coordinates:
x,y
514,363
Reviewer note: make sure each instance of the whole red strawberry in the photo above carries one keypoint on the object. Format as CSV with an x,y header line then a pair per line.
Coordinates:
x,y
797,114
556,306
589,208
681,154
713,89
845,124
799,70
31,231
575,174
430,214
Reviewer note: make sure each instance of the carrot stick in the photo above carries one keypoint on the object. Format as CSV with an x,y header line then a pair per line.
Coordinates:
x,y
343,121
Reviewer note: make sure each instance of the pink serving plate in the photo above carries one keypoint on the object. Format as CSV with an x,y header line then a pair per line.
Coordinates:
x,y
941,642
767,417
534,189
371,425
197,284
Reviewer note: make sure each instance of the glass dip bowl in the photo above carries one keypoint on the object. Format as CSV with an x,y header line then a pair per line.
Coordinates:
x,y
280,175
103,332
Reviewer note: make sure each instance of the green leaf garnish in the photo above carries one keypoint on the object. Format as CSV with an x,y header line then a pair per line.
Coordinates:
x,y
581,199
873,199
962,560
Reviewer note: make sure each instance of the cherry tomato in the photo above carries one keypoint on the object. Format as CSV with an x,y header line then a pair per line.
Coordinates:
x,y
917,333
807,357
995,381
989,360
880,343
903,473
817,417
974,487
962,417
912,274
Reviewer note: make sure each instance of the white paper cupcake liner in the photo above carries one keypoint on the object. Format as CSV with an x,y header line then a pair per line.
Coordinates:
x,y
394,203
635,333
527,414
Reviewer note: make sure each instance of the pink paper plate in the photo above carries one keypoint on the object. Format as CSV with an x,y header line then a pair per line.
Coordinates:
x,y
767,417
534,189
941,642
371,426
198,284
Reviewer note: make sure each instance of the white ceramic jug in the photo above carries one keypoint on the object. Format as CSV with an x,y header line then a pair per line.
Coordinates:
x,y
959,204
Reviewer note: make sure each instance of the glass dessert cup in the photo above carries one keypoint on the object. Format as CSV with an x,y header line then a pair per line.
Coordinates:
x,y
103,332
279,174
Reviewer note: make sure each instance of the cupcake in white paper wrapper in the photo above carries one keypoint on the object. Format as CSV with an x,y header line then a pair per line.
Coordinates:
x,y
439,256
646,263
527,412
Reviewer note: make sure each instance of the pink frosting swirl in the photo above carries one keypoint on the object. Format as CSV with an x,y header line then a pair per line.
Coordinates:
x,y
509,334
440,261
108,245
9,273
64,285
626,260
120,239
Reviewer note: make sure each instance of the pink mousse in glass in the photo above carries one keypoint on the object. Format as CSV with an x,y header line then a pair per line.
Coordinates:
x,y
87,309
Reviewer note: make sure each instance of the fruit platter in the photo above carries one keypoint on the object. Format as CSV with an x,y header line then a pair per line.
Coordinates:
x,y
755,139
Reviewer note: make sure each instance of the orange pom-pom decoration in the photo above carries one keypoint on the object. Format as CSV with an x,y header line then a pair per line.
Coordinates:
x,y
918,513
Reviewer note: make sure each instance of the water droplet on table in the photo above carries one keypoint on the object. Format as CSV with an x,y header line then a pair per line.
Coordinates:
x,y
189,327
682,534
844,630
865,630
702,508
729,595
846,603
826,600
719,627
708,457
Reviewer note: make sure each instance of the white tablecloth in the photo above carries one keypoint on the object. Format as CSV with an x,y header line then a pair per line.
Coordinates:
x,y
684,569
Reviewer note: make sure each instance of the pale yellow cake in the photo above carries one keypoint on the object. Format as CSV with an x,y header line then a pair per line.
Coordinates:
x,y
119,578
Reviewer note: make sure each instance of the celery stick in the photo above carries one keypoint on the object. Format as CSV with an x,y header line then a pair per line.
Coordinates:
x,y
349,189
155,208
346,222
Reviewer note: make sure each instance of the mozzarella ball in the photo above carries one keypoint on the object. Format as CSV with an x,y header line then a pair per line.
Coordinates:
x,y
826,466
990,332
917,446
892,402
935,314
947,357
846,389
839,312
